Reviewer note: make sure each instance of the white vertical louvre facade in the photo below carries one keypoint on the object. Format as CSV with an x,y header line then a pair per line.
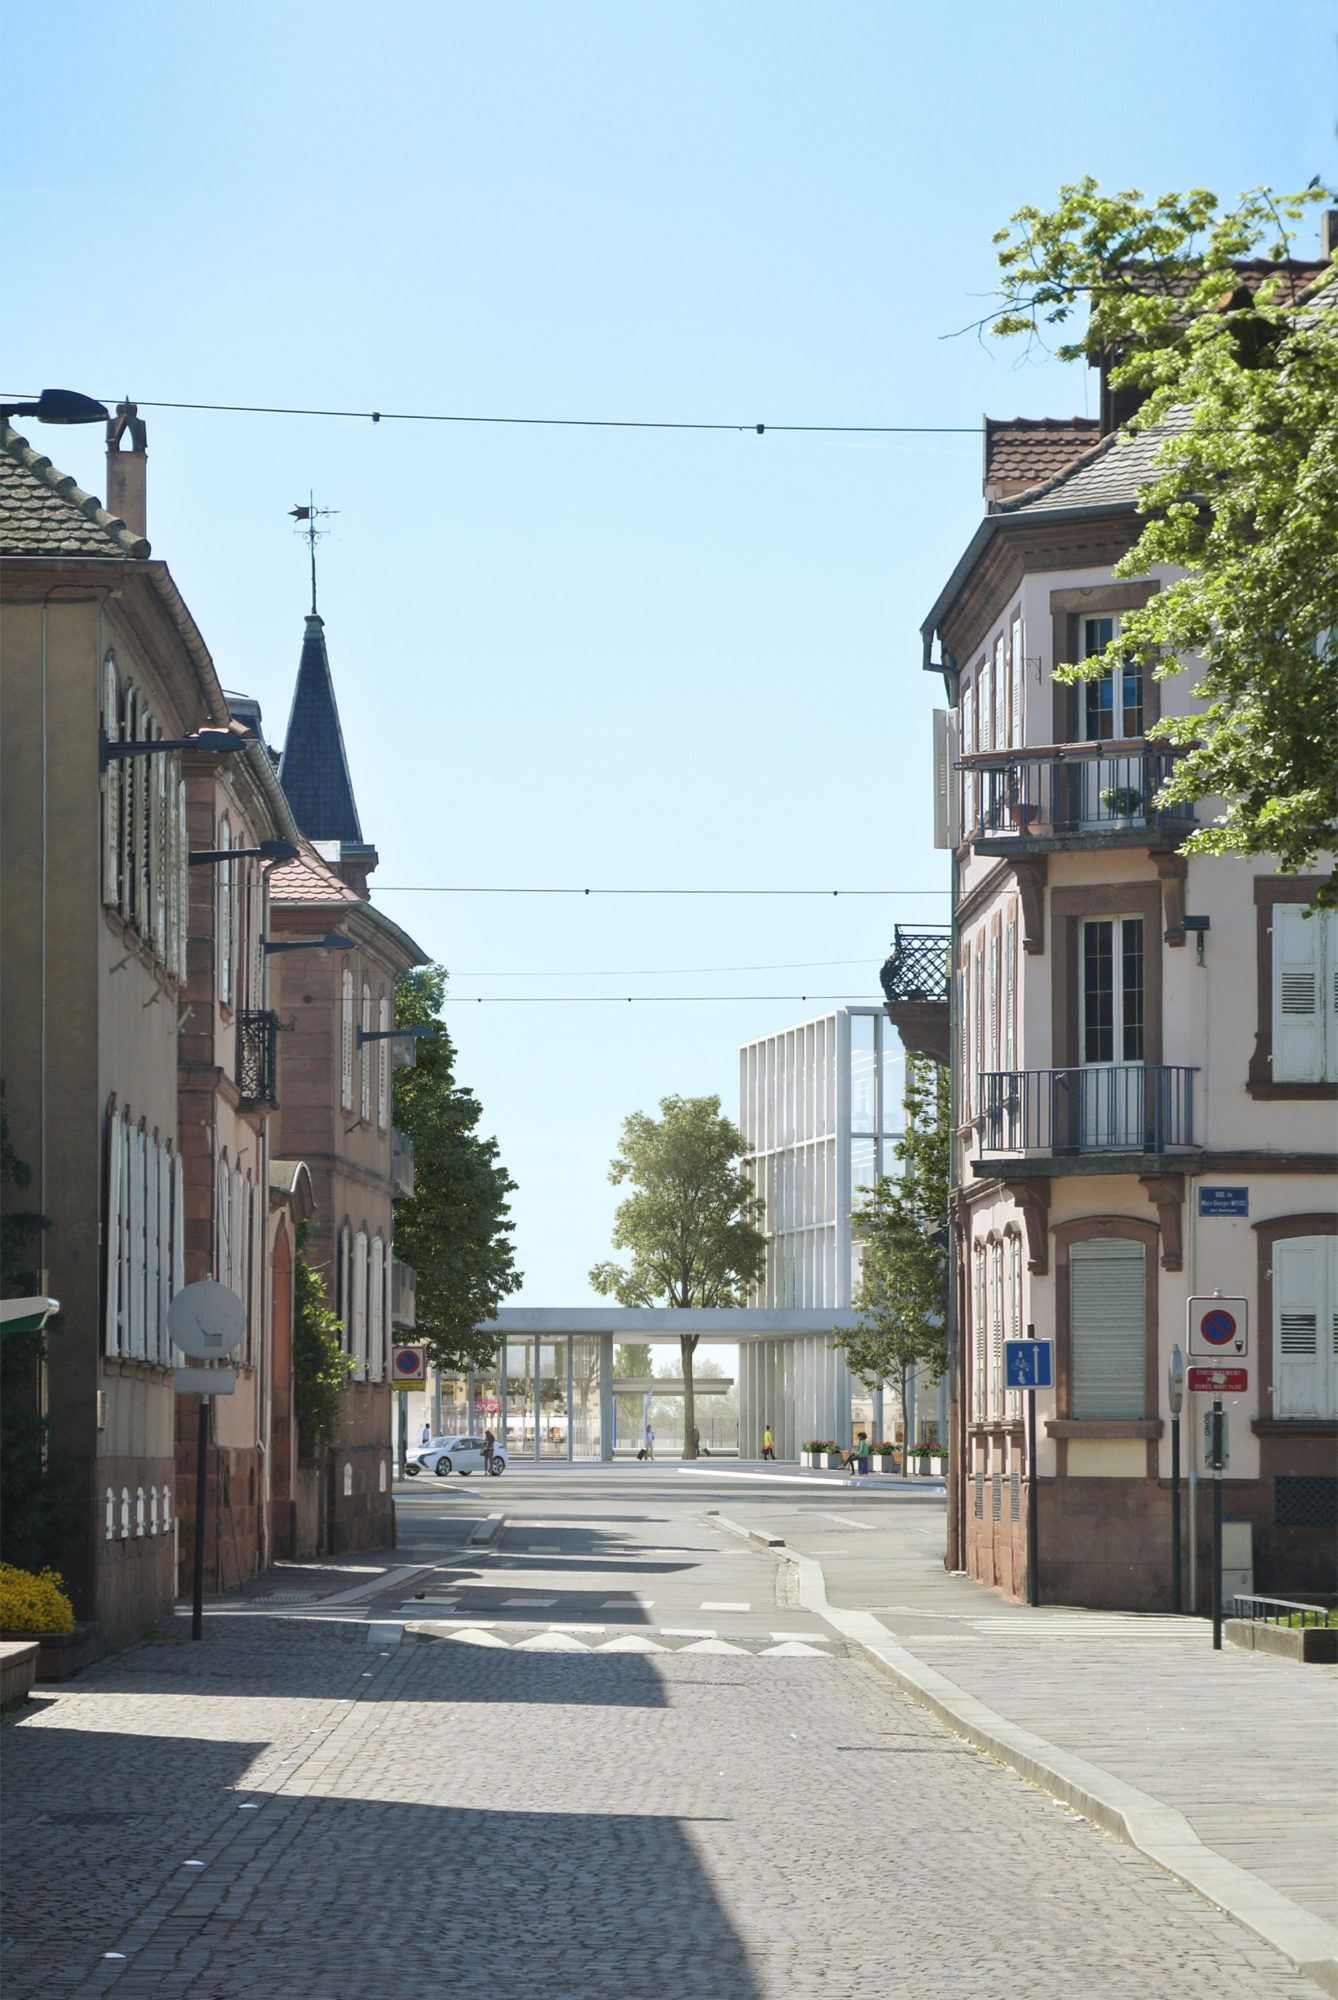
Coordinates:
x,y
1305,1327
1108,1322
820,1104
143,1242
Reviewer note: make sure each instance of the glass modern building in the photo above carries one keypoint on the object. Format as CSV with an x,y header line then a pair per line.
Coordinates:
x,y
821,1105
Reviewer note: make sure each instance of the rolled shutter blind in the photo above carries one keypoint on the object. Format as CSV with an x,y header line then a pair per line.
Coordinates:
x,y
1108,1308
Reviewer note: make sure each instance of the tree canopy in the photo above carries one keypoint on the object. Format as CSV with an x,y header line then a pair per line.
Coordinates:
x,y
455,1229
1200,311
691,1224
902,1222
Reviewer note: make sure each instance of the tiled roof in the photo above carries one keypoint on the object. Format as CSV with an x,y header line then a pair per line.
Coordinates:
x,y
309,880
1109,475
1025,451
314,769
43,512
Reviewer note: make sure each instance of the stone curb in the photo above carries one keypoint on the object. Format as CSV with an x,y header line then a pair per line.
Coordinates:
x,y
1156,1830
758,1535
488,1533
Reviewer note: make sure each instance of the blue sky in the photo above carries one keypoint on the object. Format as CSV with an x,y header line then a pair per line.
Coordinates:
x,y
582,657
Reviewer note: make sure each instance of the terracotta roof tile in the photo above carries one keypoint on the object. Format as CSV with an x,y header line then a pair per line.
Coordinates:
x,y
1111,474
43,512
1021,452
308,880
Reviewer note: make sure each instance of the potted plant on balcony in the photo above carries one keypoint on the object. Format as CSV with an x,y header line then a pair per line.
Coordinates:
x,y
1122,802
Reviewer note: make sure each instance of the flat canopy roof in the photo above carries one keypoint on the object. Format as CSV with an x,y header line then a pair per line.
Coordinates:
x,y
667,1322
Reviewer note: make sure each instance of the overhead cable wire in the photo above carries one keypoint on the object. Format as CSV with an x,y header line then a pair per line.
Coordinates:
x,y
644,999
463,889
669,971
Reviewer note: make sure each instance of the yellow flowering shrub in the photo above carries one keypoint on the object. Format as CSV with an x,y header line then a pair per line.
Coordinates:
x,y
31,1603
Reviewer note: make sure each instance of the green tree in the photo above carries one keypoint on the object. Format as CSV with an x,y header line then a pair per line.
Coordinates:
x,y
1245,496
902,1221
690,1225
455,1229
36,1493
320,1365
632,1359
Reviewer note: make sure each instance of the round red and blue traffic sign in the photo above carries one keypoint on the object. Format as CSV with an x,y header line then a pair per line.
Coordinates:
x,y
1218,1327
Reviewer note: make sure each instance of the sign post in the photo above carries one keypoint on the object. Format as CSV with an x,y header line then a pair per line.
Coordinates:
x,y
1175,1388
1217,1453
207,1321
1027,1366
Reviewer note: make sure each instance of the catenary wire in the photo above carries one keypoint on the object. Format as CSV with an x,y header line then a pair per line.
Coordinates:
x,y
644,999
669,971
459,889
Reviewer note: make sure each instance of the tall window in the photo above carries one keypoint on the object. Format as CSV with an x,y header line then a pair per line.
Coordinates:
x,y
968,750
978,1024
112,787
1305,1327
985,681
1010,997
376,1310
225,915
1000,695
1305,995
979,1338
383,1065
996,1330
1019,667
365,1108
1113,702
1014,1312
359,1329
346,1041
1108,1323
1112,990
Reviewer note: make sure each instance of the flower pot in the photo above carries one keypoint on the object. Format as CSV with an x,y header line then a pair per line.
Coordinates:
x,y
833,1461
886,1462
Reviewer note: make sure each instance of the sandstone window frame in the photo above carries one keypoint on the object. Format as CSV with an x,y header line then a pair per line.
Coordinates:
x,y
1064,1425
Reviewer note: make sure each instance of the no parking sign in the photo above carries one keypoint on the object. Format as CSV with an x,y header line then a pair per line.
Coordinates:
x,y
1218,1328
408,1367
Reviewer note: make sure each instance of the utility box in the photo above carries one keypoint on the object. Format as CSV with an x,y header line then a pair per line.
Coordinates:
x,y
1237,1559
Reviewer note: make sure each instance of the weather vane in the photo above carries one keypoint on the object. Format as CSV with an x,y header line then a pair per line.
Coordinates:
x,y
306,518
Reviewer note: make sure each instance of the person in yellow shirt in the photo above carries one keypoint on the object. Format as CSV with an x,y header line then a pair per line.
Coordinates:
x,y
768,1449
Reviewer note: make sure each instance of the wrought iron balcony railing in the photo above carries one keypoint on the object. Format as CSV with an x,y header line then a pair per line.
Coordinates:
x,y
1075,790
1119,1108
258,1056
403,1294
918,967
401,1161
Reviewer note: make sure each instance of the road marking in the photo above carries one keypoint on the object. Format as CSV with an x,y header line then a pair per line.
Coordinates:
x,y
711,1646
792,1649
627,1603
687,1632
715,1604
551,1642
631,1642
541,1549
474,1635
844,1519
527,1603
809,1638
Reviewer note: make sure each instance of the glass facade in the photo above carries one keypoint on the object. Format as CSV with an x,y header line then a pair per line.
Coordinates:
x,y
820,1104
544,1399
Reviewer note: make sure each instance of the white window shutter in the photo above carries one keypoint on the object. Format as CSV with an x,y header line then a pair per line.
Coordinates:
x,y
1019,668
1000,696
111,788
138,1245
152,1250
178,1227
1301,1370
183,882
1108,1320
360,1302
113,1232
162,1351
223,1259
1010,997
997,1332
1298,976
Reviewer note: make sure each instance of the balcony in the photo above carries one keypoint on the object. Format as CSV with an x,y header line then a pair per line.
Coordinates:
x,y
258,1057
1131,1108
1070,795
403,1294
916,981
401,1162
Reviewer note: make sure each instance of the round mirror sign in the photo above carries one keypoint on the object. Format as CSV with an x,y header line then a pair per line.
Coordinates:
x,y
207,1321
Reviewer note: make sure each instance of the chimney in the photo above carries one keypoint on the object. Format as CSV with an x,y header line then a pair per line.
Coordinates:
x,y
1328,233
126,468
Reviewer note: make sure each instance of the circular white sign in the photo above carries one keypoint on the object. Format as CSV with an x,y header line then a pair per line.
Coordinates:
x,y
207,1321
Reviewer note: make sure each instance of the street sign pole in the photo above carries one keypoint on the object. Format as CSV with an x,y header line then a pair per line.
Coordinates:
x,y
1175,1515
1033,1525
201,1476
1217,1523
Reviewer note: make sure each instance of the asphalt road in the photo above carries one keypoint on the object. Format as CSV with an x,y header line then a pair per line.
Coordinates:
x,y
616,1759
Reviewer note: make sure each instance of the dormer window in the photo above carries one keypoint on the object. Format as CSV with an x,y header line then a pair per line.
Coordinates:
x,y
1113,702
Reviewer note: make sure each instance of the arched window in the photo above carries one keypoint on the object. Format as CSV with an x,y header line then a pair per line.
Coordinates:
x,y
346,1042
365,1108
383,1066
225,915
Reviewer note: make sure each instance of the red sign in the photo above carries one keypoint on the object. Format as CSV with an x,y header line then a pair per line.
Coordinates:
x,y
1219,1381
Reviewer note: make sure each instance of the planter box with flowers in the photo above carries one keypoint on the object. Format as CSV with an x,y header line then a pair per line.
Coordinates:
x,y
886,1457
930,1459
35,1607
822,1453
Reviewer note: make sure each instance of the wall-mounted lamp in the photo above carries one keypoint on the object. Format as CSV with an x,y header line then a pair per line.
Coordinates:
x,y
1200,926
219,742
268,850
332,941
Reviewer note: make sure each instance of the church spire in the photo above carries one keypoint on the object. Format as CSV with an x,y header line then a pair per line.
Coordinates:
x,y
314,768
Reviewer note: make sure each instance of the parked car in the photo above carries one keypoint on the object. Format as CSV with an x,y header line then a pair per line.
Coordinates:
x,y
444,1456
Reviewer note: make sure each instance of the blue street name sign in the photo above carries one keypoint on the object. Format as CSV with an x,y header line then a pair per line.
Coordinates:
x,y
1224,1201
1027,1364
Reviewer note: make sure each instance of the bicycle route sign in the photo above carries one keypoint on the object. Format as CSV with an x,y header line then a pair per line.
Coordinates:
x,y
1027,1364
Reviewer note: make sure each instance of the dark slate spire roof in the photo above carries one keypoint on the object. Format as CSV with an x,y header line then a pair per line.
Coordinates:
x,y
314,770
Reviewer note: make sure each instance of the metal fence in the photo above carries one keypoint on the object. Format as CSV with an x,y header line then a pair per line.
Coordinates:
x,y
1083,788
1118,1108
1283,1610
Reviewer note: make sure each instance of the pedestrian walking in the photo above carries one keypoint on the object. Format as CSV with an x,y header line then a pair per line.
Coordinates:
x,y
427,1433
489,1444
650,1442
768,1450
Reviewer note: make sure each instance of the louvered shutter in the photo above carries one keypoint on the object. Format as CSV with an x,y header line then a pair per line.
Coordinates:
x,y
111,788
112,1238
1000,696
1298,1016
1302,1372
161,1350
153,1250
1018,663
138,1245
1107,1317
1010,997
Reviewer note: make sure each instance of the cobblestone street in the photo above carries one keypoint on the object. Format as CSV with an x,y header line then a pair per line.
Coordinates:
x,y
369,1819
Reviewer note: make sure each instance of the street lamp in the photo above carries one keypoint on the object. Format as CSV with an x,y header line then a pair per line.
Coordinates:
x,y
332,941
268,850
59,406
219,742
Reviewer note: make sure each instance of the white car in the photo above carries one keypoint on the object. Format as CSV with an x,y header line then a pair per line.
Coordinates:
x,y
444,1456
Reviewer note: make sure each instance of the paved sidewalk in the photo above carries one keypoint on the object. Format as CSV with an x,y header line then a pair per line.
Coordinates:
x,y
1240,1744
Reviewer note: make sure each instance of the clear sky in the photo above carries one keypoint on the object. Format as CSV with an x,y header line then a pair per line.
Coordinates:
x,y
583,657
